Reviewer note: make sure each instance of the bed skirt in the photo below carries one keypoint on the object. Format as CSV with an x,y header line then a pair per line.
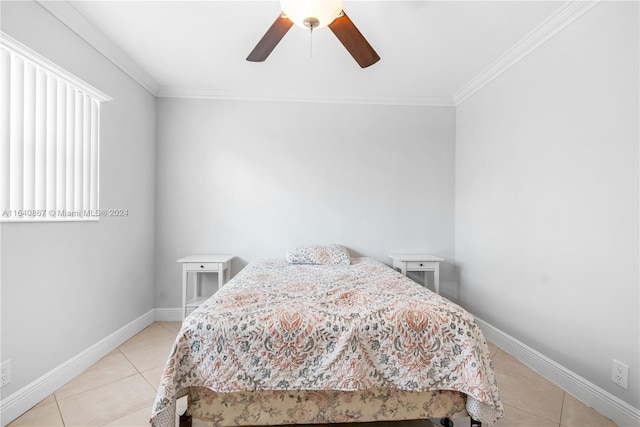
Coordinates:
x,y
208,408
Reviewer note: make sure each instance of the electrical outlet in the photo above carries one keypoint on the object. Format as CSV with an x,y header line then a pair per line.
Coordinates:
x,y
620,374
5,373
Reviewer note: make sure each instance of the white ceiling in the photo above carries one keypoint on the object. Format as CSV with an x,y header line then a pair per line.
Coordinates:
x,y
429,49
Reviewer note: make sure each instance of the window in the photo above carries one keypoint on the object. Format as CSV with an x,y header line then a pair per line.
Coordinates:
x,y
49,139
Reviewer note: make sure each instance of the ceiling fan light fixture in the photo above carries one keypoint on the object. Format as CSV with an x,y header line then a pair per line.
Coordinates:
x,y
312,13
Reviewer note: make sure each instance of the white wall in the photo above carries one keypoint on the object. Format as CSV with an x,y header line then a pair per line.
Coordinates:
x,y
254,179
66,286
547,198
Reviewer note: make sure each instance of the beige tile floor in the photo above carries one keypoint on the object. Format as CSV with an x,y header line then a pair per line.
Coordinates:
x,y
119,390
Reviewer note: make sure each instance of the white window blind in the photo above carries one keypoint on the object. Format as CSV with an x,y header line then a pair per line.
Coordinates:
x,y
49,139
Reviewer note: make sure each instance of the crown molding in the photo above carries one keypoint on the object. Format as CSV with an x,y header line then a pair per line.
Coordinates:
x,y
561,18
72,18
555,23
199,93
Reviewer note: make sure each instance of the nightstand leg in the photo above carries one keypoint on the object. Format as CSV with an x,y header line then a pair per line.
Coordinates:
x,y
436,278
196,285
185,277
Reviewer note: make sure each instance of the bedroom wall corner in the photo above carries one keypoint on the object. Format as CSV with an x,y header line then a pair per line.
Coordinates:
x,y
68,286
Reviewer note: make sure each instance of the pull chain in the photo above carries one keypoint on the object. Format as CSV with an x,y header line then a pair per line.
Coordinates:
x,y
312,23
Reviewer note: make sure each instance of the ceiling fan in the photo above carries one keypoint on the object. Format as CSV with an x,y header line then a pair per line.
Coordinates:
x,y
314,14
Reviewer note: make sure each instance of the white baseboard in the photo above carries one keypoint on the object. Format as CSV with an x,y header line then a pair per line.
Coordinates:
x,y
168,314
22,400
590,394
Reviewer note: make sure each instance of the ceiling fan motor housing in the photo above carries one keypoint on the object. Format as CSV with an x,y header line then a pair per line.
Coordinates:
x,y
311,22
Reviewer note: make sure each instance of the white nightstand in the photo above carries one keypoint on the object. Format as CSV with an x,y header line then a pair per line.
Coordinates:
x,y
419,262
197,264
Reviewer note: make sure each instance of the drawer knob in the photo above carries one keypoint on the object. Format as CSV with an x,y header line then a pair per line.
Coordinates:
x,y
420,264
202,266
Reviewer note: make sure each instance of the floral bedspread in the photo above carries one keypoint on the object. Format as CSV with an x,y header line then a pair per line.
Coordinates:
x,y
281,326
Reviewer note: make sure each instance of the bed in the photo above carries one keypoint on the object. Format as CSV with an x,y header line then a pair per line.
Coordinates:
x,y
335,341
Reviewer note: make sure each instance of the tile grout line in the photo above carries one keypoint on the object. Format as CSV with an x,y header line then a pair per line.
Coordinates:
x,y
531,413
527,410
139,372
55,398
96,386
128,414
540,381
564,395
130,362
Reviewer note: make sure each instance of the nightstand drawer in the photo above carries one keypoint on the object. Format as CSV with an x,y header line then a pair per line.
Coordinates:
x,y
202,266
416,265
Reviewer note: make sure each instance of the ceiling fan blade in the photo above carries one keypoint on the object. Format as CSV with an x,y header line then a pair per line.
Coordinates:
x,y
270,40
354,41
